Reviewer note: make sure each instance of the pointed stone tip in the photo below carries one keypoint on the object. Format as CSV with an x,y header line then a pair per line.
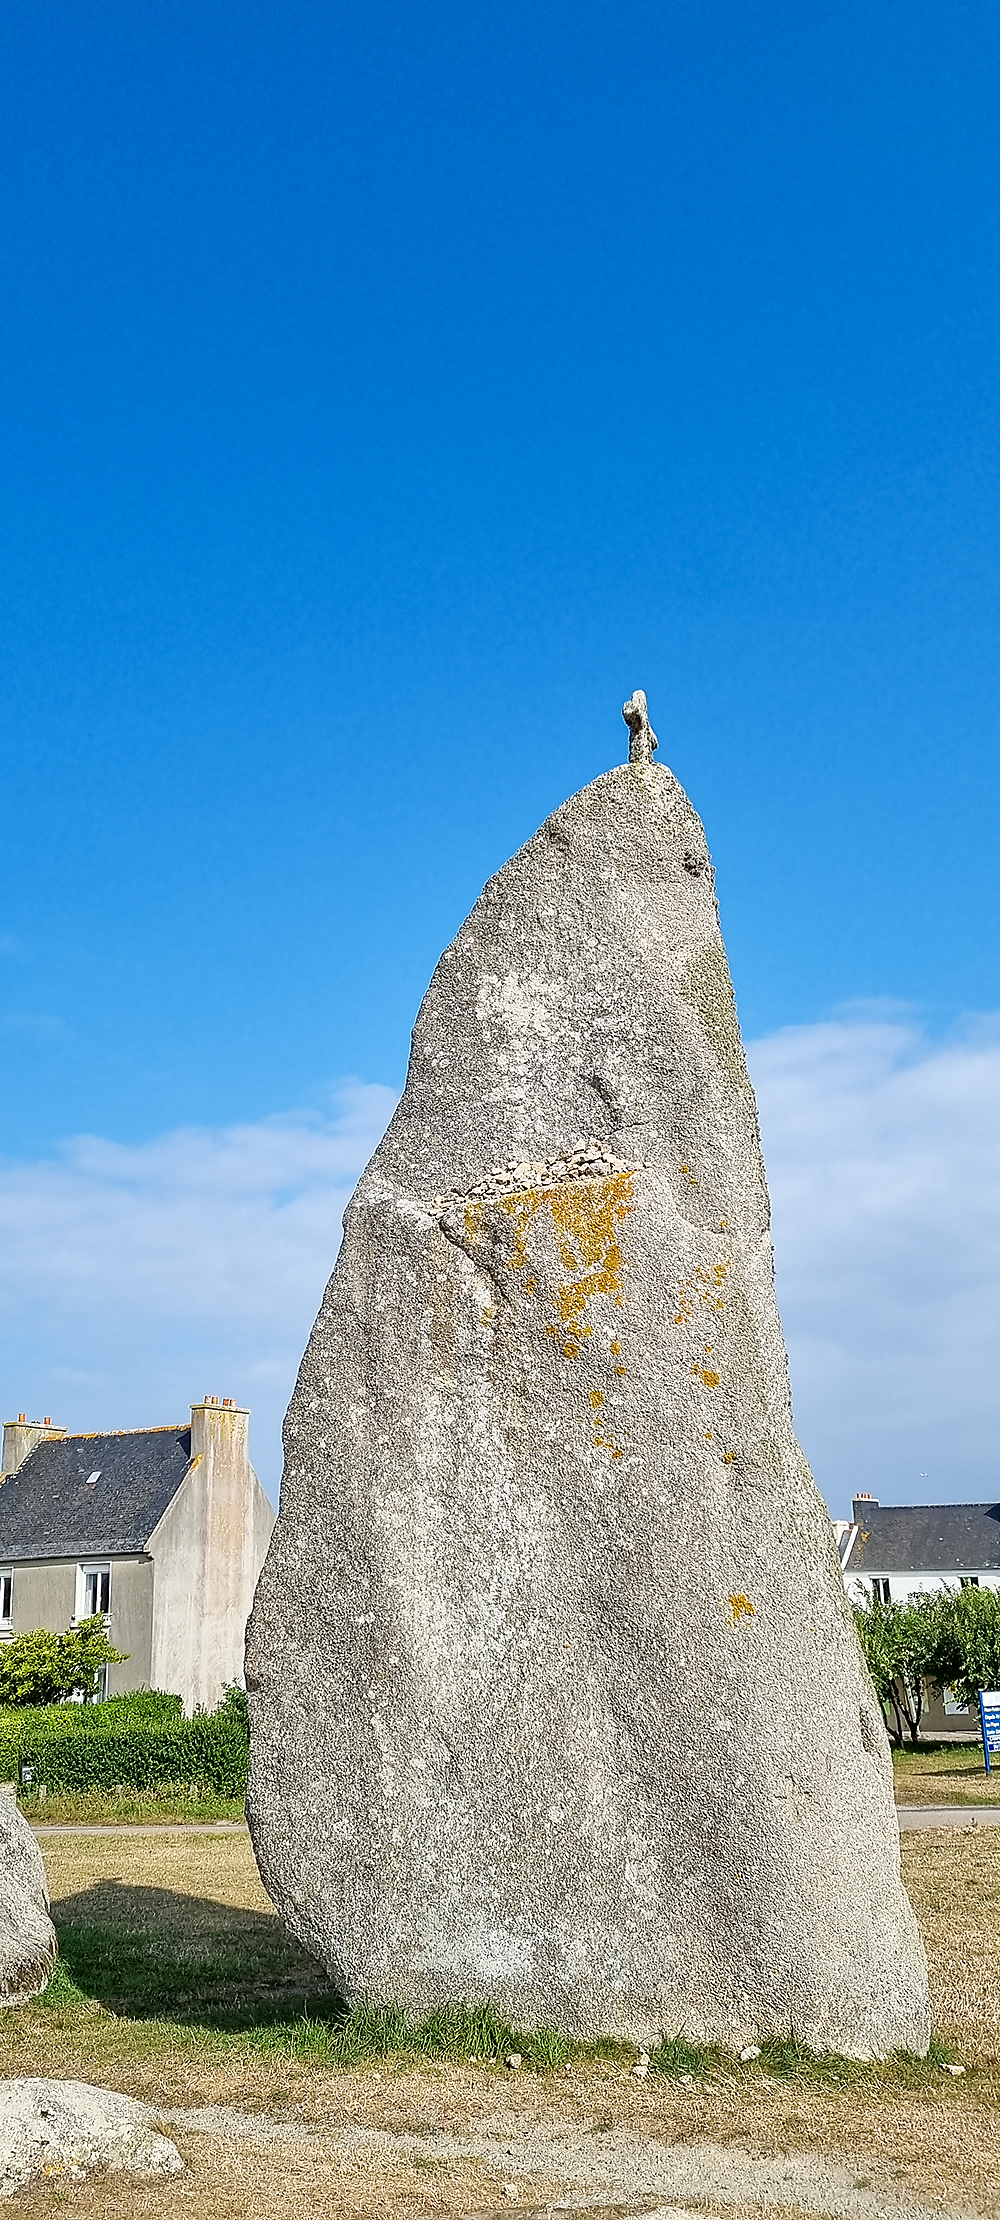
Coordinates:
x,y
642,738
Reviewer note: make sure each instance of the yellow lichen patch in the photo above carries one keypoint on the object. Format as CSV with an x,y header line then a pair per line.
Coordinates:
x,y
704,1286
596,1398
621,1371
730,1457
701,1372
741,1608
487,1314
586,1215
616,1348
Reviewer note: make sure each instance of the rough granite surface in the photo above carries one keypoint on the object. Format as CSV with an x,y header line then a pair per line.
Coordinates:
x,y
27,1936
555,1697
63,2130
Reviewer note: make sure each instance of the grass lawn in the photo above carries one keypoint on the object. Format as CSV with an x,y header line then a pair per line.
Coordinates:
x,y
171,1803
944,1773
177,1984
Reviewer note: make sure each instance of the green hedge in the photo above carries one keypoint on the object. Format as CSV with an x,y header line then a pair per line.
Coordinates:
x,y
130,1742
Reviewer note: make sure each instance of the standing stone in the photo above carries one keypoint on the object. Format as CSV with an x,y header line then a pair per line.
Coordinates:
x,y
27,1936
556,1701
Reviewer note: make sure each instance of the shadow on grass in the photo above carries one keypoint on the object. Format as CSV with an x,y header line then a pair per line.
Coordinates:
x,y
151,1953
155,1954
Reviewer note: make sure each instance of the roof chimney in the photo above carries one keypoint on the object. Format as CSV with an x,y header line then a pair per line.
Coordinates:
x,y
20,1436
862,1505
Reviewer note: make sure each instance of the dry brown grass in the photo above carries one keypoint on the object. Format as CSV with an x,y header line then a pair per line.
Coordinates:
x,y
934,2140
953,1879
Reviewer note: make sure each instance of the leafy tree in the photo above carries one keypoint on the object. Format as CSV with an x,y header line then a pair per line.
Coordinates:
x,y
85,1650
900,1645
965,1653
44,1668
31,1669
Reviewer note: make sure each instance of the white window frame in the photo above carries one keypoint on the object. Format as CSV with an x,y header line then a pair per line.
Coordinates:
x,y
94,1570
6,1617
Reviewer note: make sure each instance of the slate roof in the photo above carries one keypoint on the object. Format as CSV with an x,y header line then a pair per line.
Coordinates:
x,y
47,1509
931,1538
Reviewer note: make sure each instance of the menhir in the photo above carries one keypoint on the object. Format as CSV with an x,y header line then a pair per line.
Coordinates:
x,y
556,1701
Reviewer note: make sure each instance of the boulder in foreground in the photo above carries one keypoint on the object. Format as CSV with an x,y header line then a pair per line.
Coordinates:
x,y
65,2130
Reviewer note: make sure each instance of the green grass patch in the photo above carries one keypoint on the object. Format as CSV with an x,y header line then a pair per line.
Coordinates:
x,y
237,1978
172,1804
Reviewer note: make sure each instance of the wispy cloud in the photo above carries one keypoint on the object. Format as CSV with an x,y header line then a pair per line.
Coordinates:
x,y
883,1154
136,1278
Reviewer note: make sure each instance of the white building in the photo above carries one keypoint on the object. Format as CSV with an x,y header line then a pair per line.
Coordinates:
x,y
889,1552
162,1529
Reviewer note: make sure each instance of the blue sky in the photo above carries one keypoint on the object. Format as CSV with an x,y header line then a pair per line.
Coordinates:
x,y
385,394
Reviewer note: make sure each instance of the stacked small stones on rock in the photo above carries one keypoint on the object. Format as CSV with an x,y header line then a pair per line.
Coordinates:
x,y
593,1160
556,1702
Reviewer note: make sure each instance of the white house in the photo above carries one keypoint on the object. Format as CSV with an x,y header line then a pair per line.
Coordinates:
x,y
890,1552
163,1529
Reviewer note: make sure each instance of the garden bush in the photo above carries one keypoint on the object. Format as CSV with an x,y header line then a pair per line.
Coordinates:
x,y
138,1741
39,1668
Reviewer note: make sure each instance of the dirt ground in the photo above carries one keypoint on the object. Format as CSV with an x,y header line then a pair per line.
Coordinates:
x,y
395,2139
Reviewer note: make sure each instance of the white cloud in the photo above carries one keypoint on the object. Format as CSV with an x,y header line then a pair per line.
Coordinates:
x,y
135,1279
883,1155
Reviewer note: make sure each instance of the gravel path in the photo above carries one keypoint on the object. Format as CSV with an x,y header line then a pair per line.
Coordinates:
x,y
613,2167
910,1817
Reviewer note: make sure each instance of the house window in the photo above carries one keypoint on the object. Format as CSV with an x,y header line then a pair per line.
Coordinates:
x,y
6,1596
880,1591
968,1580
93,1591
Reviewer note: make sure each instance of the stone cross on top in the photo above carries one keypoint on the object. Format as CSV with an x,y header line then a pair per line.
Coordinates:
x,y
642,739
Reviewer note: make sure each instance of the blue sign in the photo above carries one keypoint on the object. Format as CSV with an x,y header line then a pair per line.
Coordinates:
x,y
989,1715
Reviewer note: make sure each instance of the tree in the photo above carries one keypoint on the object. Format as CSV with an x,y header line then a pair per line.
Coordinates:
x,y
31,1669
900,1645
965,1653
85,1650
44,1668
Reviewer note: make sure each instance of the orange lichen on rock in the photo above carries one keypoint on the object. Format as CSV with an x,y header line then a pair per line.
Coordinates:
x,y
741,1608
586,1215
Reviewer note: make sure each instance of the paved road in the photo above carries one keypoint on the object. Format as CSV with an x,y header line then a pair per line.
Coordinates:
x,y
148,1827
912,1816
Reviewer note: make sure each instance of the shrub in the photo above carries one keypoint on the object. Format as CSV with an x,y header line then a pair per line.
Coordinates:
x,y
138,1741
40,1668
